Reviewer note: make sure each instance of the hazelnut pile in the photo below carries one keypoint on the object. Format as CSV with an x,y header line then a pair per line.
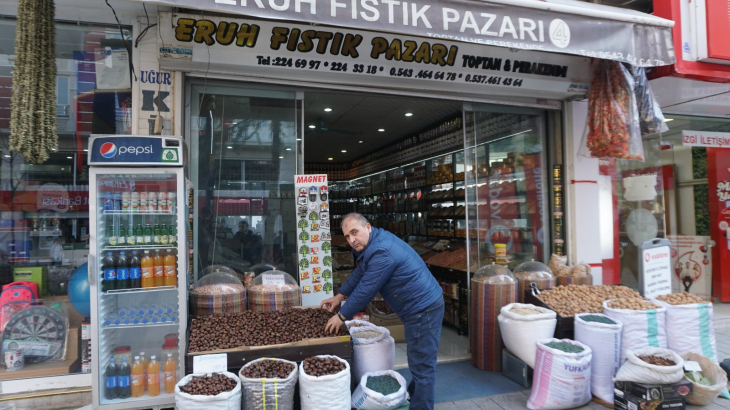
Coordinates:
x,y
383,307
209,385
320,366
250,328
268,369
657,361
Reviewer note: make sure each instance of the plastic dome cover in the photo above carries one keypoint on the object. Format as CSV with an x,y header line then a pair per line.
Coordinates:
x,y
275,278
261,268
533,270
220,277
493,271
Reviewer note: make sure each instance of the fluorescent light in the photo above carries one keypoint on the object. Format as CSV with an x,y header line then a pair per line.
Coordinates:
x,y
312,126
281,157
344,150
360,142
668,119
299,139
86,150
229,147
409,114
330,158
327,109
63,169
288,149
70,157
7,156
381,130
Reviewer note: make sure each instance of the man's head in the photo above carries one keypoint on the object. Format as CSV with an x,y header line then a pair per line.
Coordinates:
x,y
356,230
243,226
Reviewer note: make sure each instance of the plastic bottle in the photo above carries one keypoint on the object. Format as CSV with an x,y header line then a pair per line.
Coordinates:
x,y
124,379
137,389
173,235
157,309
122,312
110,320
153,377
148,267
108,201
143,360
139,235
170,266
111,388
122,271
164,235
159,270
170,372
135,271
111,235
122,236
131,237
109,269
155,319
158,235
117,201
148,235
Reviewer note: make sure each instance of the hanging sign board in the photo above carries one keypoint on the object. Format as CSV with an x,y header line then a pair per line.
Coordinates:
x,y
314,239
285,50
655,268
706,139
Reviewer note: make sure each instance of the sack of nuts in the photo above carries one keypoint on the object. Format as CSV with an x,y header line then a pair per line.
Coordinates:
x,y
651,365
644,324
270,381
324,383
216,391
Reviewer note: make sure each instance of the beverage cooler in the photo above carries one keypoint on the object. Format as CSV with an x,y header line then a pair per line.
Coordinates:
x,y
138,269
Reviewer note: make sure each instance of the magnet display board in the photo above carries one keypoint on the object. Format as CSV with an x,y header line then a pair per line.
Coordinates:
x,y
314,240
655,268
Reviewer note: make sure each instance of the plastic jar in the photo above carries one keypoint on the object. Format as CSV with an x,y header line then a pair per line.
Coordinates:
x,y
121,352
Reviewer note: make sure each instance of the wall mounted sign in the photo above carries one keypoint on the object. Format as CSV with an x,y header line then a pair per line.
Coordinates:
x,y
706,139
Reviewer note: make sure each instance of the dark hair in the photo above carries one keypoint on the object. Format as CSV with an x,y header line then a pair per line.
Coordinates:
x,y
357,216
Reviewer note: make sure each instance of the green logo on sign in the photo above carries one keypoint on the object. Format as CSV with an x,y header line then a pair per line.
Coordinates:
x,y
169,155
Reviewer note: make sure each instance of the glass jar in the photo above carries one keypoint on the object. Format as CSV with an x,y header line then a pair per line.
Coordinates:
x,y
533,272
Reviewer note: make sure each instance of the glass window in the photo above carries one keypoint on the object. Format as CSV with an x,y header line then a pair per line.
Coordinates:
x,y
44,208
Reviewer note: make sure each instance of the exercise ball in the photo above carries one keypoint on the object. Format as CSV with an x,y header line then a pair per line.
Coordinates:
x,y
78,290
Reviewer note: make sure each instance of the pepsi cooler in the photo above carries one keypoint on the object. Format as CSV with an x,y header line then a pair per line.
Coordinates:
x,y
138,266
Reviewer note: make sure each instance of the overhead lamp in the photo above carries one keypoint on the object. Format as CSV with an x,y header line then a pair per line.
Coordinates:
x,y
53,149
7,156
70,157
409,114
381,129
288,149
330,159
86,150
229,147
312,126
360,142
344,150
281,157
668,119
327,109
299,139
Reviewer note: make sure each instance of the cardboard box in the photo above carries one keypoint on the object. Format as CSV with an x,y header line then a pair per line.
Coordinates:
x,y
38,275
397,332
629,402
653,392
385,322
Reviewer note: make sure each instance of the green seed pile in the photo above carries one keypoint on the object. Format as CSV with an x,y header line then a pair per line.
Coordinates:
x,y
384,385
598,319
564,347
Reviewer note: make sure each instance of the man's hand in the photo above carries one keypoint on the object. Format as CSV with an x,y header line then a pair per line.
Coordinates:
x,y
333,325
330,303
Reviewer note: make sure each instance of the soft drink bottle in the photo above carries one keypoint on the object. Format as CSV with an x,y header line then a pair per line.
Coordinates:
x,y
164,235
137,373
148,266
170,264
131,238
143,360
152,202
111,320
111,389
122,271
155,319
126,202
170,374
148,235
143,202
173,235
172,202
135,202
109,269
111,235
135,271
139,235
153,377
159,270
158,235
108,201
157,309
122,236
162,201
117,201
124,379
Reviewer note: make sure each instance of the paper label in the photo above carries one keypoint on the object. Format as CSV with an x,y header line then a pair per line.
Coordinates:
x,y
210,363
692,366
269,279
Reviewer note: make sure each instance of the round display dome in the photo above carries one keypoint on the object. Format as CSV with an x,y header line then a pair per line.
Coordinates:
x,y
219,291
494,273
274,290
261,268
222,278
275,279
531,272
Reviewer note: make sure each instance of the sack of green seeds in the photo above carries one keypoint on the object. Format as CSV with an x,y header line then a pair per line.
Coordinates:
x,y
562,376
376,392
603,336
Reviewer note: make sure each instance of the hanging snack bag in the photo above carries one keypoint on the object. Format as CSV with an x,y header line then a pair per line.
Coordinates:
x,y
651,119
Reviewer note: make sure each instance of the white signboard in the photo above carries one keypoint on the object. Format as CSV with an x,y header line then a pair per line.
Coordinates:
x,y
656,272
210,363
313,238
692,265
706,139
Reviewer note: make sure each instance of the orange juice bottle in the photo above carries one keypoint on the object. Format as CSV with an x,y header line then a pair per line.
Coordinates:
x,y
170,373
144,361
159,270
137,378
170,262
153,377
148,267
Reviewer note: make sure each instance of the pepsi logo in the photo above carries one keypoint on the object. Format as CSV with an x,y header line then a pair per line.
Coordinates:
x,y
108,150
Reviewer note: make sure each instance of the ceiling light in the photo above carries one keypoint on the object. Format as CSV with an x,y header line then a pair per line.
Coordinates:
x,y
70,157
299,139
288,149
360,142
63,169
327,109
409,114
330,159
381,129
668,119
312,126
229,147
7,156
86,150
281,157
344,150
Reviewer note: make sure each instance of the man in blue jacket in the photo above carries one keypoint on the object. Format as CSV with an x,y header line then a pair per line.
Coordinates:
x,y
389,266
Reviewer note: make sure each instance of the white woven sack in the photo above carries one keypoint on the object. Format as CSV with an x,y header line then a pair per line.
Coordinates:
x,y
642,328
358,323
331,392
262,392
367,399
230,400
561,380
605,342
639,371
520,333
690,328
371,354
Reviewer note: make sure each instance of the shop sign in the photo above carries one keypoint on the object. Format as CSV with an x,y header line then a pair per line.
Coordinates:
x,y
642,42
655,268
297,52
706,139
692,265
313,238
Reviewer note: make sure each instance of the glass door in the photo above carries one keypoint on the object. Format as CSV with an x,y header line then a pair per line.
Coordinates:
x,y
246,146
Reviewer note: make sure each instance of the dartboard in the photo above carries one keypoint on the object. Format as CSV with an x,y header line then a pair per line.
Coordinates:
x,y
38,324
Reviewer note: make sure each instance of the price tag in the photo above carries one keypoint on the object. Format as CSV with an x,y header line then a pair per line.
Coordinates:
x,y
210,363
269,279
692,366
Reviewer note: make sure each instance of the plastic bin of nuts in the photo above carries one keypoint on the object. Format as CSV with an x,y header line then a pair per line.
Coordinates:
x,y
273,290
532,272
218,292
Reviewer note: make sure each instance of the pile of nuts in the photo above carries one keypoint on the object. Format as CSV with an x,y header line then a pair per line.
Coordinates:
x,y
258,329
268,369
219,289
320,366
657,361
631,304
569,300
680,299
209,385
383,307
